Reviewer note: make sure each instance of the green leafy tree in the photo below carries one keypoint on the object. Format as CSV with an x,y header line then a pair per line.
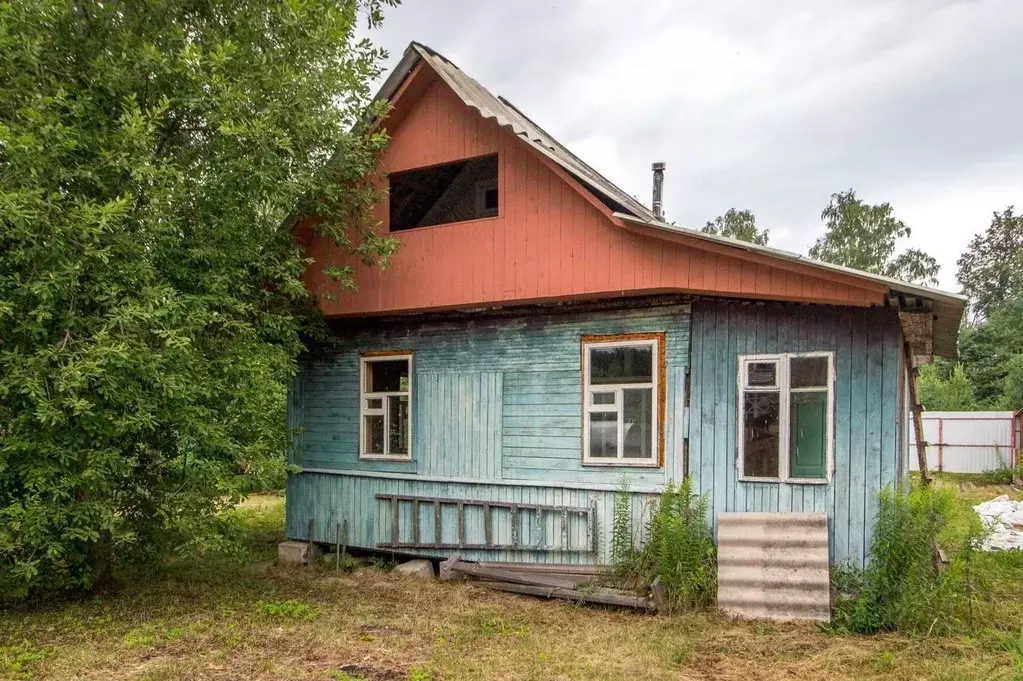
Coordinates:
x,y
864,237
1012,384
986,349
737,224
946,388
150,293
991,269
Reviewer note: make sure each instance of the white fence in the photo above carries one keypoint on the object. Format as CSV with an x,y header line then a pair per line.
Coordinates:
x,y
969,441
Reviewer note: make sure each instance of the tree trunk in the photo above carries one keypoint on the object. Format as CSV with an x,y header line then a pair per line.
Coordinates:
x,y
101,558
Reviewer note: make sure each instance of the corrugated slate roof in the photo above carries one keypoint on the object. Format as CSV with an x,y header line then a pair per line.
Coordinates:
x,y
948,307
507,115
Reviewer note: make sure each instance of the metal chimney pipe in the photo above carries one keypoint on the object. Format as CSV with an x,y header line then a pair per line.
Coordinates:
x,y
658,204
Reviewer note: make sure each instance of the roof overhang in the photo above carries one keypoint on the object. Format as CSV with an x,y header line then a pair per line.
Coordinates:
x,y
947,308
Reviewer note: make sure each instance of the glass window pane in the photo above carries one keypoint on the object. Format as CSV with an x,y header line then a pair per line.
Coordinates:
x,y
808,372
604,434
637,412
622,364
373,432
808,441
760,435
375,403
762,374
397,426
603,398
389,375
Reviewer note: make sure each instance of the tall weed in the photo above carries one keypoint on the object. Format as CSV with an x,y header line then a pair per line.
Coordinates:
x,y
623,545
679,548
903,587
1004,473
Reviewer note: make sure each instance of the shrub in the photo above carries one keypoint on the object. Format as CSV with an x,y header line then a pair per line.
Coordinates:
x,y
679,548
151,298
903,587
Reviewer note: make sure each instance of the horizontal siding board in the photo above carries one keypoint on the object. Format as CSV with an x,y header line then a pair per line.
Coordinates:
x,y
533,421
572,432
330,499
489,394
543,442
517,404
568,380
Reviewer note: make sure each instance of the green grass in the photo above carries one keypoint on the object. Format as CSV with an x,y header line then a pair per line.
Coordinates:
x,y
209,618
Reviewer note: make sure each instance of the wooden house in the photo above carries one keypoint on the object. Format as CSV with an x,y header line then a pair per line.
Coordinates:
x,y
542,336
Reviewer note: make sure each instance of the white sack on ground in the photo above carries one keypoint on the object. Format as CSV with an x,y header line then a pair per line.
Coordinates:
x,y
1005,520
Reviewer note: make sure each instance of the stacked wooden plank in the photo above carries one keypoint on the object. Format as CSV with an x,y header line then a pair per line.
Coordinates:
x,y
571,582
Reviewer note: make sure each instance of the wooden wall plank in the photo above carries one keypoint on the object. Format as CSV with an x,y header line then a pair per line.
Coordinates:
x,y
493,398
711,383
874,428
515,257
866,420
725,425
843,437
857,443
891,409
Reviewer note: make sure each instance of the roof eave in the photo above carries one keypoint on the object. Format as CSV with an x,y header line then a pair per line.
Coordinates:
x,y
952,305
901,286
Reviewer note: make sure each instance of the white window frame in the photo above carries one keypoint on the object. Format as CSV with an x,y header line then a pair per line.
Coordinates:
x,y
365,411
783,361
481,198
618,390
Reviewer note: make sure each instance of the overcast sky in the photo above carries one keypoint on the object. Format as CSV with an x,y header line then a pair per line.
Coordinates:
x,y
770,106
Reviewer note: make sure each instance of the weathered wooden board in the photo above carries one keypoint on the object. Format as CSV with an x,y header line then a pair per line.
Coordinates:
x,y
497,398
868,420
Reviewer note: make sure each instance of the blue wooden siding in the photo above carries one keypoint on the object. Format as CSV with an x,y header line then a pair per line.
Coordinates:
x,y
492,399
497,414
328,499
868,416
457,427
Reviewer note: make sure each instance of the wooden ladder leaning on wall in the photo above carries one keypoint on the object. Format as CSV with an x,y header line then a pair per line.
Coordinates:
x,y
916,410
917,348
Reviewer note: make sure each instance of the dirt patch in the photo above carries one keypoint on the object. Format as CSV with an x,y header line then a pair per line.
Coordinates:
x,y
359,671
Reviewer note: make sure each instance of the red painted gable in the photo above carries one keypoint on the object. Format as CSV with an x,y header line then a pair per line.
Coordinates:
x,y
552,239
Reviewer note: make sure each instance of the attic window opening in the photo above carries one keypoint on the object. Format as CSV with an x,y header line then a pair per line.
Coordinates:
x,y
443,194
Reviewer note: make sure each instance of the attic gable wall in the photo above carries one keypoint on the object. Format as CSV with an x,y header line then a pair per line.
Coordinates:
x,y
550,241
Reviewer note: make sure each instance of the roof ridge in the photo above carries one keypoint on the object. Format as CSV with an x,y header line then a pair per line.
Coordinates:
x,y
499,109
475,95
